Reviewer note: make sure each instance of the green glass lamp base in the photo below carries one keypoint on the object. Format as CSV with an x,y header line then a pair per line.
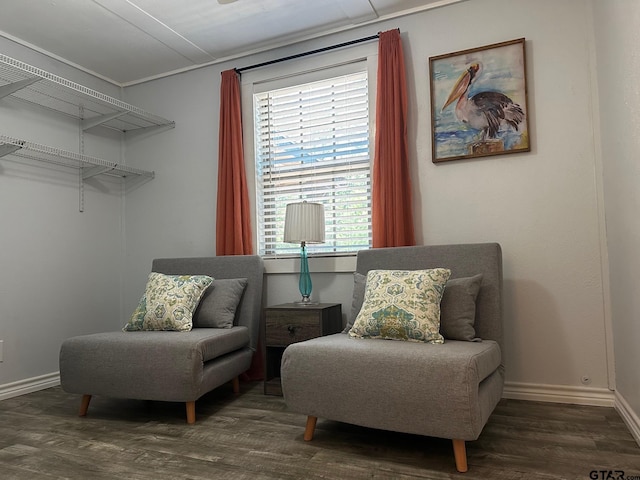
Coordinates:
x,y
305,278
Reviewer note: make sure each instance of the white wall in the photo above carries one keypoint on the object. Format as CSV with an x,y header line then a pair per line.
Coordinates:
x,y
174,215
59,269
618,36
541,206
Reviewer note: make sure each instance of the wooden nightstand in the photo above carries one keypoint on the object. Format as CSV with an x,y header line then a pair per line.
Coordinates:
x,y
290,323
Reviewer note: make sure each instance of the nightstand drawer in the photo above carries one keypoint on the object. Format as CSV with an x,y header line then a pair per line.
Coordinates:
x,y
285,328
290,323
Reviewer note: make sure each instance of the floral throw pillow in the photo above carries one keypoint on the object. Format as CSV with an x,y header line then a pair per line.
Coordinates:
x,y
402,305
168,302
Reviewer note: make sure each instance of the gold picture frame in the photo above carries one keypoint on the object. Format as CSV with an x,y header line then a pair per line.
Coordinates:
x,y
479,102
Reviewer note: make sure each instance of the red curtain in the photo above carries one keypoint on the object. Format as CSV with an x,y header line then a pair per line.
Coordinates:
x,y
392,210
233,222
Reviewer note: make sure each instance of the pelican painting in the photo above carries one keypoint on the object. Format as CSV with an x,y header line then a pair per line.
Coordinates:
x,y
481,95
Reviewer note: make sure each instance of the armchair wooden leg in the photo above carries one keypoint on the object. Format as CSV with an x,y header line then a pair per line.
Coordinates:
x,y
236,385
84,405
460,454
191,412
310,428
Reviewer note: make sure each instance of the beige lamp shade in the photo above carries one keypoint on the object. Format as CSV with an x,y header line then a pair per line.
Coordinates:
x,y
304,222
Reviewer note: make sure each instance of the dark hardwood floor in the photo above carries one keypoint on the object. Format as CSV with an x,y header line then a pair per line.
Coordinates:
x,y
253,436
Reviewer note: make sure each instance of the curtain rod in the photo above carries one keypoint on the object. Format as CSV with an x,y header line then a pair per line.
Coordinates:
x,y
304,54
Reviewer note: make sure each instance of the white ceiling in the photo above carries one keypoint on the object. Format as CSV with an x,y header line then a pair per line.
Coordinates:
x,y
128,41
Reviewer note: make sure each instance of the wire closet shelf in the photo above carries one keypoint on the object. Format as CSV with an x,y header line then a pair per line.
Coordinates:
x,y
91,166
31,84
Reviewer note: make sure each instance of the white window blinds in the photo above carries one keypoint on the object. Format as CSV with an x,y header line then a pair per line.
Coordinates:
x,y
312,143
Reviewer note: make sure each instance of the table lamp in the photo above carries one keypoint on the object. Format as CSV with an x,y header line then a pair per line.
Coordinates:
x,y
304,223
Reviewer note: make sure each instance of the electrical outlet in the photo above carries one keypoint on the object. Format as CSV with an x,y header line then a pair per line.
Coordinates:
x,y
1,354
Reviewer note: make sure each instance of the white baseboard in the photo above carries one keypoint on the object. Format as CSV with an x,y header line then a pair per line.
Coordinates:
x,y
29,385
628,416
601,397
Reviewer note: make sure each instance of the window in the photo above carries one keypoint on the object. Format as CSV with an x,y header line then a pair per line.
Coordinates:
x,y
311,142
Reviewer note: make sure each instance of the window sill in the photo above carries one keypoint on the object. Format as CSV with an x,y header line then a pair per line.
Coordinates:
x,y
332,264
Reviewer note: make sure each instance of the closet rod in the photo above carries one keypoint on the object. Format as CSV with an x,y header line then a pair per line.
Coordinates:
x,y
304,54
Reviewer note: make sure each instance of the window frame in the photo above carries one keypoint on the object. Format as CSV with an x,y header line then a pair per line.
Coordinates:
x,y
300,71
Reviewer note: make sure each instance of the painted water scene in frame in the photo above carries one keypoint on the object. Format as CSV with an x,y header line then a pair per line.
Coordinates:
x,y
479,102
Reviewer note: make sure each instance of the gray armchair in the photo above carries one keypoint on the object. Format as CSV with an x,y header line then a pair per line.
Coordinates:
x,y
446,390
170,366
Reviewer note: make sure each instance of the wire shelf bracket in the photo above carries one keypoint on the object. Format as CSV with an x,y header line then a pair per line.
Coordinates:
x,y
11,88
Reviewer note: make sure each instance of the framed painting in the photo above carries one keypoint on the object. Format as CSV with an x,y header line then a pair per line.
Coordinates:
x,y
479,102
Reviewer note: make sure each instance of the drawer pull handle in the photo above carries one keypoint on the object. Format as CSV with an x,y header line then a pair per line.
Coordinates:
x,y
291,329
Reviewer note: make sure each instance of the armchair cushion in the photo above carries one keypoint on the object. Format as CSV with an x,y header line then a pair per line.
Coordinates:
x,y
359,282
152,365
402,305
458,308
168,302
217,308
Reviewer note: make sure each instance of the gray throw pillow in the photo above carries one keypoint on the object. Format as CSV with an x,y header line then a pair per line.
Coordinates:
x,y
218,305
359,284
458,308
